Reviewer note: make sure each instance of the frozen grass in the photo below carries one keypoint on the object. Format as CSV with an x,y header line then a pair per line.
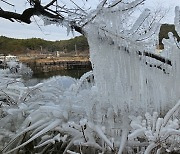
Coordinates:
x,y
54,117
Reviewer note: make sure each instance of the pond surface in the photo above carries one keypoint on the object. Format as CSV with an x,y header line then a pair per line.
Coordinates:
x,y
39,76
74,73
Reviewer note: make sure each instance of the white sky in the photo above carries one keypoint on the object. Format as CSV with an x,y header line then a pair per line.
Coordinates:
x,y
51,32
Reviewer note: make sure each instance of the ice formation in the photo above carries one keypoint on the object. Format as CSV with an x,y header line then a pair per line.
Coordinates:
x,y
177,19
66,116
128,72
126,104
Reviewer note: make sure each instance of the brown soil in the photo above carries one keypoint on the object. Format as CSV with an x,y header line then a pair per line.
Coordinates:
x,y
51,59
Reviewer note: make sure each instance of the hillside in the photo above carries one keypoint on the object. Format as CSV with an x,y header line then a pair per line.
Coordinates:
x,y
164,30
23,46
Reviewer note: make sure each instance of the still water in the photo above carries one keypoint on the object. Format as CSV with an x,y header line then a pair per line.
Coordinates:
x,y
74,73
39,76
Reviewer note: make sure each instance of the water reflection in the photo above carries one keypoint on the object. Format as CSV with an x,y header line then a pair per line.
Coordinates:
x,y
39,76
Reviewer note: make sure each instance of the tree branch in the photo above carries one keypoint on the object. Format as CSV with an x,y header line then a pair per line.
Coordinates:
x,y
51,3
37,9
24,17
27,14
7,3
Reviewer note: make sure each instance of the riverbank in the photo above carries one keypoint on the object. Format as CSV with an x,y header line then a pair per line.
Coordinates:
x,y
49,64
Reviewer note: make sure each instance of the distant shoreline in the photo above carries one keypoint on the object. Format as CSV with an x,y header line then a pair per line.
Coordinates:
x,y
50,64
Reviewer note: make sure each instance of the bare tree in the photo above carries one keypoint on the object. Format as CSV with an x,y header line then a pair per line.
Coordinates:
x,y
56,11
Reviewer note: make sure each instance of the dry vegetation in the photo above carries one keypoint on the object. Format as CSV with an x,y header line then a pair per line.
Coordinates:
x,y
31,59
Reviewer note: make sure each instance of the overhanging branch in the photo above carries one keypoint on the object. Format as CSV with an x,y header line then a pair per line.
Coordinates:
x,y
37,9
24,17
